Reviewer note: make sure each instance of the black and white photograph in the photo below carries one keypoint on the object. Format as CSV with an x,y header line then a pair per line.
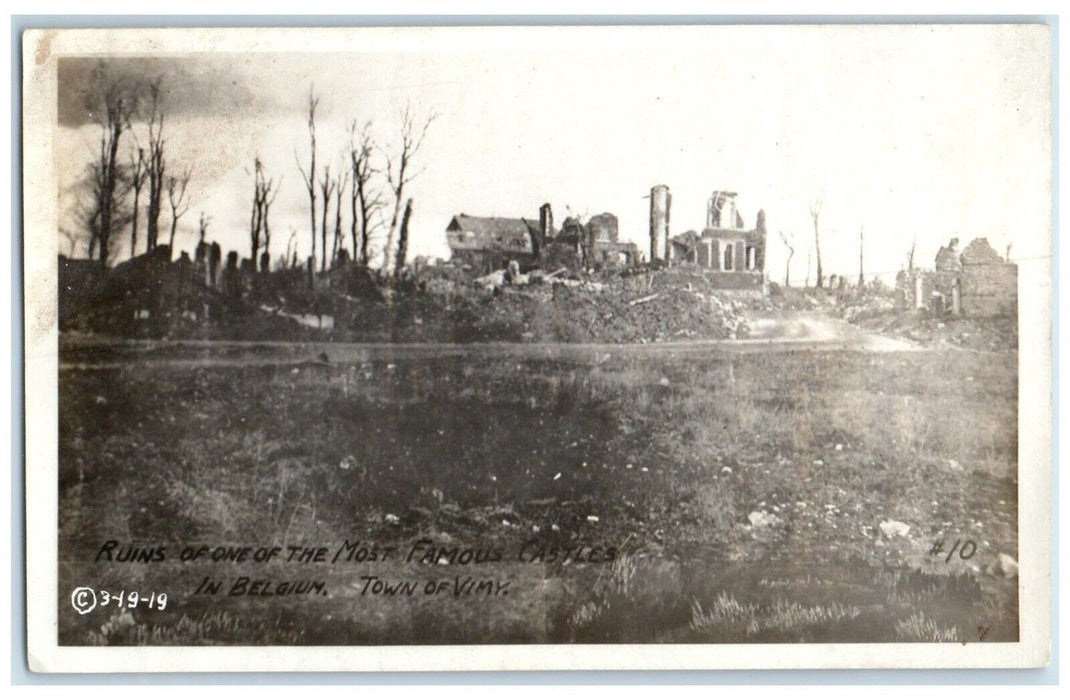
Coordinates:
x,y
538,347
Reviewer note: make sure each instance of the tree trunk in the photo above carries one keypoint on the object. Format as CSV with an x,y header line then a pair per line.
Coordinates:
x,y
338,237
108,199
392,232
403,239
152,217
817,252
133,225
861,244
353,223
254,225
156,173
312,223
323,232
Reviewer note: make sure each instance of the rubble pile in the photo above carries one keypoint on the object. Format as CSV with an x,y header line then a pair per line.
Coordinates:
x,y
607,313
433,305
854,310
996,334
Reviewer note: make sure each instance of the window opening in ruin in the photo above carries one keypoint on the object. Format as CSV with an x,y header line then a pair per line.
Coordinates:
x,y
727,263
752,258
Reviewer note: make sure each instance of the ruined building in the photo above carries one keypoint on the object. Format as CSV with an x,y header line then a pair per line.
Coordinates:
x,y
603,245
486,244
976,282
733,254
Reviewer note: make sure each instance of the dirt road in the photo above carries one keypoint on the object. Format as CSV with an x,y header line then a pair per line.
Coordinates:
x,y
770,332
813,327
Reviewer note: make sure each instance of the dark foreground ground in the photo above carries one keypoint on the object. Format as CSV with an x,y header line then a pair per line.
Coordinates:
x,y
702,494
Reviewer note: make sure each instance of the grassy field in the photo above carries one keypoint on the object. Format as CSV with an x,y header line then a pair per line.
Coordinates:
x,y
608,497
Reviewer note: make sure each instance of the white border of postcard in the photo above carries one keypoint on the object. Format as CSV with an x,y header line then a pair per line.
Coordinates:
x,y
41,48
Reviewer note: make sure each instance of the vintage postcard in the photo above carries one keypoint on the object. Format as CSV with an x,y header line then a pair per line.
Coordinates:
x,y
575,347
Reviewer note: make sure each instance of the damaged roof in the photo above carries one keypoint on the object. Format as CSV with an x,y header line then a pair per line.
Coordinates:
x,y
490,232
980,252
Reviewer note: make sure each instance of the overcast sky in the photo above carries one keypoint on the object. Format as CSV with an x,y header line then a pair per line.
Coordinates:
x,y
925,131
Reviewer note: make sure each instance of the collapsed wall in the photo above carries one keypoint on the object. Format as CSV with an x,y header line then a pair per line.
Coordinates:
x,y
989,289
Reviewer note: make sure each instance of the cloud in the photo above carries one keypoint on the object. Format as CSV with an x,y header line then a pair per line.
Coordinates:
x,y
196,85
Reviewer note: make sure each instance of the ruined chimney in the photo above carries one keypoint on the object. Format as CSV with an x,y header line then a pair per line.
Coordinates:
x,y
546,222
231,282
215,259
759,225
660,204
535,236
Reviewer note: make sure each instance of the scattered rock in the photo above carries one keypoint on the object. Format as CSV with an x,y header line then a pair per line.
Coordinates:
x,y
761,519
1007,566
894,528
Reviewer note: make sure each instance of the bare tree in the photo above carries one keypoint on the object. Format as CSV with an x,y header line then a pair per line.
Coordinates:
x,y
176,197
264,193
403,239
202,227
309,176
815,214
365,201
861,247
256,223
910,255
788,242
138,173
327,186
268,199
72,240
399,171
341,181
98,244
291,249
112,102
156,166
